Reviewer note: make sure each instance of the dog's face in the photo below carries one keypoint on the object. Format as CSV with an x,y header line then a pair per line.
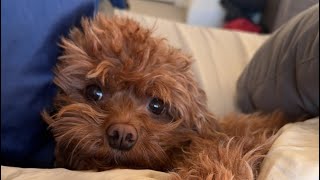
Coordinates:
x,y
126,99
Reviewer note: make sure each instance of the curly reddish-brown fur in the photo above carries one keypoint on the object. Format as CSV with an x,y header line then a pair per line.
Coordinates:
x,y
132,67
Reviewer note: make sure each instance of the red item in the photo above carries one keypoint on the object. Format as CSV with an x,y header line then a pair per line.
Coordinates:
x,y
242,24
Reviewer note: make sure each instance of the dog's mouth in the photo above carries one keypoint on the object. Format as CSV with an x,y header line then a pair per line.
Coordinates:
x,y
140,156
131,160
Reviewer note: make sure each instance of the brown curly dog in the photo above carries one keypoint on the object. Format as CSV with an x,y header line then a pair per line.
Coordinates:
x,y
129,100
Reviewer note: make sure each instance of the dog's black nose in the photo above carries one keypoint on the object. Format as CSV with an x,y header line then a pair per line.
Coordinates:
x,y
122,136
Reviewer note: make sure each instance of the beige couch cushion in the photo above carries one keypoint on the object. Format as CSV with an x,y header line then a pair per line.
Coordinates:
x,y
13,173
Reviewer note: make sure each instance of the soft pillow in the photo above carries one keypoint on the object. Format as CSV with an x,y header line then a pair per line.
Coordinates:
x,y
295,153
284,73
30,31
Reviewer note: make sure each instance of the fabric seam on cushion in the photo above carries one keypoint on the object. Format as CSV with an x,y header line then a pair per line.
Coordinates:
x,y
308,60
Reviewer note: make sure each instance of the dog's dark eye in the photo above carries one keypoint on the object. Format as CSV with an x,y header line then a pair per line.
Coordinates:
x,y
156,106
94,92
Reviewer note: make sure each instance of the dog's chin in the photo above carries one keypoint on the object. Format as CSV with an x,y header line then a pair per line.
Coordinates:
x,y
100,158
127,161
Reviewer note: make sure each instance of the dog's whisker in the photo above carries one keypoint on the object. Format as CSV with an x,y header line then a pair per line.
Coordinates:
x,y
70,138
228,145
76,147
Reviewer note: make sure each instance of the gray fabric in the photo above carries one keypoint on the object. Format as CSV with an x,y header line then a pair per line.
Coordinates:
x,y
278,12
284,73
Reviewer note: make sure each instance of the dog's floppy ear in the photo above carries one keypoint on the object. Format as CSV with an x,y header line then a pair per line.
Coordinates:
x,y
203,121
186,96
191,103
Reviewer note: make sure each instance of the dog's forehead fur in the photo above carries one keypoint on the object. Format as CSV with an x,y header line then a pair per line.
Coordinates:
x,y
117,52
120,55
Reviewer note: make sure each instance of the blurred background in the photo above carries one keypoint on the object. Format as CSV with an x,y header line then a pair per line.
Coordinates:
x,y
259,16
